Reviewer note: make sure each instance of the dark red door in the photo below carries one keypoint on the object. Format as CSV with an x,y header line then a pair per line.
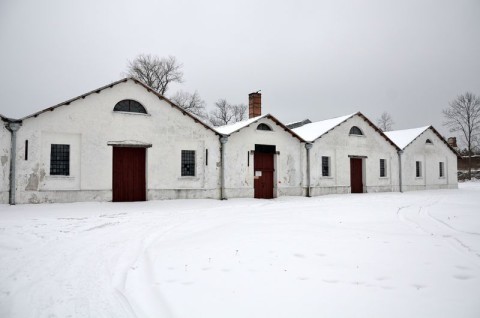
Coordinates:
x,y
128,174
356,175
263,164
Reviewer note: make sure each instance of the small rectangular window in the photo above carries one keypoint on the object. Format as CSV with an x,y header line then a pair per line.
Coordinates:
x,y
188,163
59,160
26,149
383,171
418,169
206,157
441,169
325,166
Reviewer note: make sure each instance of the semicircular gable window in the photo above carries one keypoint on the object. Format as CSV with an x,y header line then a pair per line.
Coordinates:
x,y
130,106
355,131
429,142
264,127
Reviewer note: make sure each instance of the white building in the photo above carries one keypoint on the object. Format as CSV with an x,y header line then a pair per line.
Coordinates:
x,y
124,142
121,142
350,154
263,158
427,160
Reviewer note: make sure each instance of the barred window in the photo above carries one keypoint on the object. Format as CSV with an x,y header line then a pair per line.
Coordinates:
x,y
264,127
418,169
325,166
383,171
188,162
441,169
130,106
59,160
355,131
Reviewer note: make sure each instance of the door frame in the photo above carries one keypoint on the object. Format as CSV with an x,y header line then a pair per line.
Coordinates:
x,y
123,145
267,149
363,165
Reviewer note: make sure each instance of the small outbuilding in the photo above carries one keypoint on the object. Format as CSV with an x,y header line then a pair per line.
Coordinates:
x,y
427,160
262,157
349,154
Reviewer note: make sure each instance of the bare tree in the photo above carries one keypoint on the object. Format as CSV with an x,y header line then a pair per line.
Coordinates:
x,y
385,122
155,72
190,102
463,116
225,113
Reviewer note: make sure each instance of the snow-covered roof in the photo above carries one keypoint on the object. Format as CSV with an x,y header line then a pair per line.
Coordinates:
x,y
402,138
228,129
312,131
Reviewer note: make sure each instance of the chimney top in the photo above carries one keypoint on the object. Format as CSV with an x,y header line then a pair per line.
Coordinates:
x,y
254,104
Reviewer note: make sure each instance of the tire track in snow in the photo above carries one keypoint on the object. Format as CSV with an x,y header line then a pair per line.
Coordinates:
x,y
429,225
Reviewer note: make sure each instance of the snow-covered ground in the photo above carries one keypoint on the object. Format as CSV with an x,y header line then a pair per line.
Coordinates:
x,y
414,254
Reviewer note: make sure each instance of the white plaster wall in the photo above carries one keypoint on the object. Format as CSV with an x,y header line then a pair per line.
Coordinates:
x,y
338,145
89,124
430,155
5,140
289,164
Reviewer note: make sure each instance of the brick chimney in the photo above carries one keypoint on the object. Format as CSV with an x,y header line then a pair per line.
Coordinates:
x,y
254,104
452,141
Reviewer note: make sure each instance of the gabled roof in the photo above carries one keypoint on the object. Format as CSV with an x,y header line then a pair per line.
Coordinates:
x,y
98,90
315,130
232,128
404,138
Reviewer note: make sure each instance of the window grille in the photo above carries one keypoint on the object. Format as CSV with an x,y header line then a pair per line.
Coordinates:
x,y
325,166
188,163
264,127
382,168
130,106
355,131
59,160
441,170
418,169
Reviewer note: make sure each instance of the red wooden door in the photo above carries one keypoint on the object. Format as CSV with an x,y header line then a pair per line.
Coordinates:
x,y
356,175
128,182
263,185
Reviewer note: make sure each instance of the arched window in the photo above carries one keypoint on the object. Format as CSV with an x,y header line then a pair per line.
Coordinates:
x,y
355,131
131,106
264,127
429,142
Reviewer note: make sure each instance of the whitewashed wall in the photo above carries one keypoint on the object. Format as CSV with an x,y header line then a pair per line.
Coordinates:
x,y
429,155
5,140
289,164
338,145
89,124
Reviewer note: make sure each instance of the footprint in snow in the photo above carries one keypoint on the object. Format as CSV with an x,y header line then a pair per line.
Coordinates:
x,y
418,286
299,255
302,278
330,281
462,277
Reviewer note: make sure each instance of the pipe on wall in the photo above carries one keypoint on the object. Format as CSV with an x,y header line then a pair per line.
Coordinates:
x,y
223,141
400,152
13,127
308,146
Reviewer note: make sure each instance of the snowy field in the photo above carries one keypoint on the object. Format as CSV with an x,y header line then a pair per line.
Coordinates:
x,y
415,254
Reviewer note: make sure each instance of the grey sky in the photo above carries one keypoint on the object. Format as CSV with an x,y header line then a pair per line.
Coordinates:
x,y
311,59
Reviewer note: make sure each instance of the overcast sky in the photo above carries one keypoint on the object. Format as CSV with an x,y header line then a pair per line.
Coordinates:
x,y
311,59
